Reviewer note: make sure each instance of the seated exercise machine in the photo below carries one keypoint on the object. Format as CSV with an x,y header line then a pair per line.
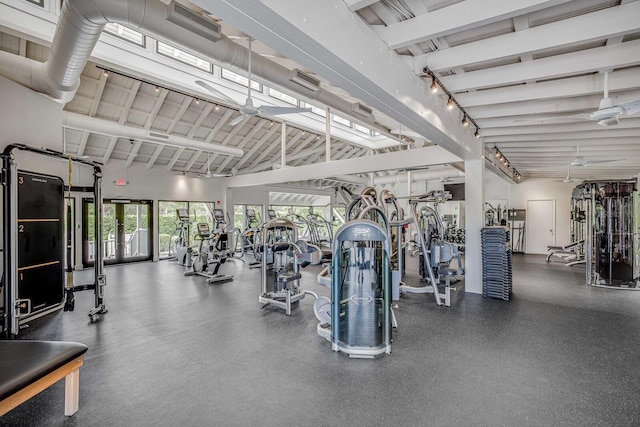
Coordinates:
x,y
571,254
436,254
320,233
206,256
358,319
282,256
179,248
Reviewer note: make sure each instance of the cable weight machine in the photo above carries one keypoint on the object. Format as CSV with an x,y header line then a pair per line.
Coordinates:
x,y
27,221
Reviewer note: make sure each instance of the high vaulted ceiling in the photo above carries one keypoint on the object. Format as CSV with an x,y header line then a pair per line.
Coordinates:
x,y
513,67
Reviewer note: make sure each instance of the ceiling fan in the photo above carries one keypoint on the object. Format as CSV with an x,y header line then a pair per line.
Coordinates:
x,y
579,161
568,179
248,109
607,114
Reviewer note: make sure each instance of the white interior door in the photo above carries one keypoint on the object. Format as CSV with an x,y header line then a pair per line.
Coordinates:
x,y
540,226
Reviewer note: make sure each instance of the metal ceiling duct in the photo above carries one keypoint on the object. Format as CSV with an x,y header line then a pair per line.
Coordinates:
x,y
81,23
107,127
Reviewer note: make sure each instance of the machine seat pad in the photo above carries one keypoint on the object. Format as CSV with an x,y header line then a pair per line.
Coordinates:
x,y
24,362
447,272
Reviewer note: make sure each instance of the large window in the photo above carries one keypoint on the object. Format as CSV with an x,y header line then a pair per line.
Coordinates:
x,y
237,78
182,56
168,225
283,97
315,110
125,33
341,120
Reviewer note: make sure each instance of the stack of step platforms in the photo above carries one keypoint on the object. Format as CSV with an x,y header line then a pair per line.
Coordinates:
x,y
496,263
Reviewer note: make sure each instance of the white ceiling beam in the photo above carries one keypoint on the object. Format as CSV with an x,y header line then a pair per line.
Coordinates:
x,y
399,159
534,129
359,4
102,83
174,159
459,17
201,118
110,146
259,144
192,160
365,67
590,60
605,134
569,87
180,114
225,142
597,25
307,151
311,139
549,106
219,124
133,153
83,143
158,103
561,142
256,166
133,92
246,139
154,156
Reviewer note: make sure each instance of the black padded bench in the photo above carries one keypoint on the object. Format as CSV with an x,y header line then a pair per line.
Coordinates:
x,y
29,367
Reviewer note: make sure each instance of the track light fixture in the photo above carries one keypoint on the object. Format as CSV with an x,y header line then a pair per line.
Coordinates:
x,y
451,102
434,85
511,171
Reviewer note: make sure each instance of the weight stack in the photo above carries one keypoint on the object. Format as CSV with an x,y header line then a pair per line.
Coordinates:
x,y
497,279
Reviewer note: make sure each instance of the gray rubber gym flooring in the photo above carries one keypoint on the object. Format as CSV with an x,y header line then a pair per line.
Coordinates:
x,y
175,351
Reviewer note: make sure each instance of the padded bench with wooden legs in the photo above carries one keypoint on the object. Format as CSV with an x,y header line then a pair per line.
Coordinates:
x,y
29,367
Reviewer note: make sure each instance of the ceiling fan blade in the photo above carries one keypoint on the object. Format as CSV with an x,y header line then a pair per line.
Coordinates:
x,y
555,119
630,108
595,162
266,110
216,92
237,120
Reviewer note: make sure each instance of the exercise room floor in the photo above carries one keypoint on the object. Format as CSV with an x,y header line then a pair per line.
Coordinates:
x,y
175,351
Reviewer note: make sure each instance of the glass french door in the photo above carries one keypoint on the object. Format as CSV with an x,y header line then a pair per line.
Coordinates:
x,y
126,231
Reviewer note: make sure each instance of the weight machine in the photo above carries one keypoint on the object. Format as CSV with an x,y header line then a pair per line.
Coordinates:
x,y
436,253
282,255
612,226
33,206
358,319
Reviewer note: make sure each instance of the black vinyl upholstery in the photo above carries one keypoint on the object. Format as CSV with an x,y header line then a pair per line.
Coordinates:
x,y
24,362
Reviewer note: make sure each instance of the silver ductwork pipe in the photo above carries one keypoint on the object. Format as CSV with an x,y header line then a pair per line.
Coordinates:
x,y
418,176
81,23
106,127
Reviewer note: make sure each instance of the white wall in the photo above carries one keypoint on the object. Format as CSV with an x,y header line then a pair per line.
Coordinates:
x,y
546,190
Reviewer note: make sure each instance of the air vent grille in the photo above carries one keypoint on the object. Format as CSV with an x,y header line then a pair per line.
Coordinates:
x,y
193,22
305,80
158,136
362,110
